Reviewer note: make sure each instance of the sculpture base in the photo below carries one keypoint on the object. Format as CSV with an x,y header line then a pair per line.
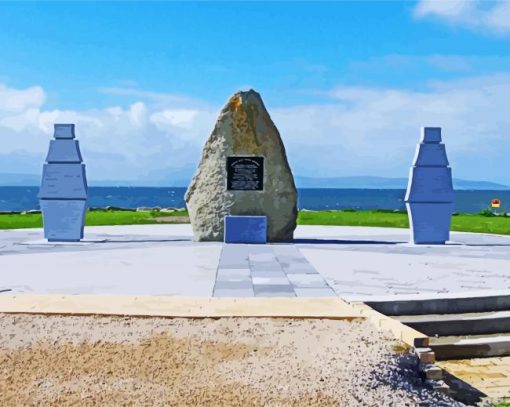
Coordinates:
x,y
63,219
69,243
430,222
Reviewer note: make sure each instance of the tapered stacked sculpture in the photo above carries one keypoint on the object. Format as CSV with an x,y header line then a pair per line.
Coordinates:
x,y
430,197
63,192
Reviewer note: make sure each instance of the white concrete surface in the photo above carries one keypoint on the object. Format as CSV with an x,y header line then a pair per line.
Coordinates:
x,y
137,260
357,262
146,271
364,262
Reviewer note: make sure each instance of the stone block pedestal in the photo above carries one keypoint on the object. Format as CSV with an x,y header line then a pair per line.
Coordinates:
x,y
245,229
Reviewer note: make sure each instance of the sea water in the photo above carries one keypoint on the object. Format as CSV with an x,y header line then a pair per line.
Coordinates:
x,y
25,198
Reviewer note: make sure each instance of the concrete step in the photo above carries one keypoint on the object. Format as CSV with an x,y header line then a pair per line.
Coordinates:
x,y
458,324
473,346
445,305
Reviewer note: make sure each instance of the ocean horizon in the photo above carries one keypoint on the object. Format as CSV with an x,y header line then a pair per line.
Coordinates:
x,y
22,198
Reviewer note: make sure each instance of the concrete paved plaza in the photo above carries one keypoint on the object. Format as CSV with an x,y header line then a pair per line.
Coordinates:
x,y
351,262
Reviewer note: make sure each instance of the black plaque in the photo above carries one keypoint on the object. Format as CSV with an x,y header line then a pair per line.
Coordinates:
x,y
245,173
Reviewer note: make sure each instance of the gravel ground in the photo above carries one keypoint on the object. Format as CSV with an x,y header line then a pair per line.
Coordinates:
x,y
62,360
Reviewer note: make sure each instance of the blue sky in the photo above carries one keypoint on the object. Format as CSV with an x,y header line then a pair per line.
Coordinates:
x,y
347,83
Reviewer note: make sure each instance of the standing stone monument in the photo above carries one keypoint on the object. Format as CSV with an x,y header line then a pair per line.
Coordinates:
x,y
243,172
63,192
430,197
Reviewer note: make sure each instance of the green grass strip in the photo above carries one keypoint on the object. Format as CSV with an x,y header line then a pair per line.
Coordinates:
x,y
480,223
92,218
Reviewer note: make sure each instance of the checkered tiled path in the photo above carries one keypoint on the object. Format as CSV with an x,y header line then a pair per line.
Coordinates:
x,y
488,375
267,271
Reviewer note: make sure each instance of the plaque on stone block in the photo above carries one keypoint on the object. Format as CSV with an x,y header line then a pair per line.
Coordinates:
x,y
245,173
245,229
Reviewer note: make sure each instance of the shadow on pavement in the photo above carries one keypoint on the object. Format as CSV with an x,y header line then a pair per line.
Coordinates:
x,y
487,245
337,241
147,240
462,391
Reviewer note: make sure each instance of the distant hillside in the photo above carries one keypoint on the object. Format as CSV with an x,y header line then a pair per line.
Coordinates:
x,y
363,182
386,183
22,180
478,185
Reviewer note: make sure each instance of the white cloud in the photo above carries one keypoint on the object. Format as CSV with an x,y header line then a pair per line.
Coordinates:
x,y
177,117
499,17
14,100
137,114
118,143
371,131
356,131
154,97
493,16
453,9
19,122
452,63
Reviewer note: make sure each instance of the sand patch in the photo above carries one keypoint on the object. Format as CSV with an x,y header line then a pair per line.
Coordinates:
x,y
54,360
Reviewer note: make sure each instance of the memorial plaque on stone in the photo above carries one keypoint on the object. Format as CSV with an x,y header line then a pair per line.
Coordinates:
x,y
245,173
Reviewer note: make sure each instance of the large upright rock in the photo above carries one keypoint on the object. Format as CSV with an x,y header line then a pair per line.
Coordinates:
x,y
246,138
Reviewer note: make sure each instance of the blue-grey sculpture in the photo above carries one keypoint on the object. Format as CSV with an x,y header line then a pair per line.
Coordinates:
x,y
430,197
63,192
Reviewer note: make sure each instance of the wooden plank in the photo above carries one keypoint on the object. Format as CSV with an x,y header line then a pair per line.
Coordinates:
x,y
406,334
185,307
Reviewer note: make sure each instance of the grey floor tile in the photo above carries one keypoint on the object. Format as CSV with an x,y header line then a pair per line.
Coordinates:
x,y
236,248
261,257
229,258
233,275
299,269
233,293
276,294
265,266
234,255
286,250
275,273
241,270
234,265
292,259
274,291
271,280
238,278
314,292
232,285
259,249
307,280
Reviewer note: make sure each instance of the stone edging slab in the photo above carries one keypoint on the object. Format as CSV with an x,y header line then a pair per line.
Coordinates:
x,y
400,331
178,307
